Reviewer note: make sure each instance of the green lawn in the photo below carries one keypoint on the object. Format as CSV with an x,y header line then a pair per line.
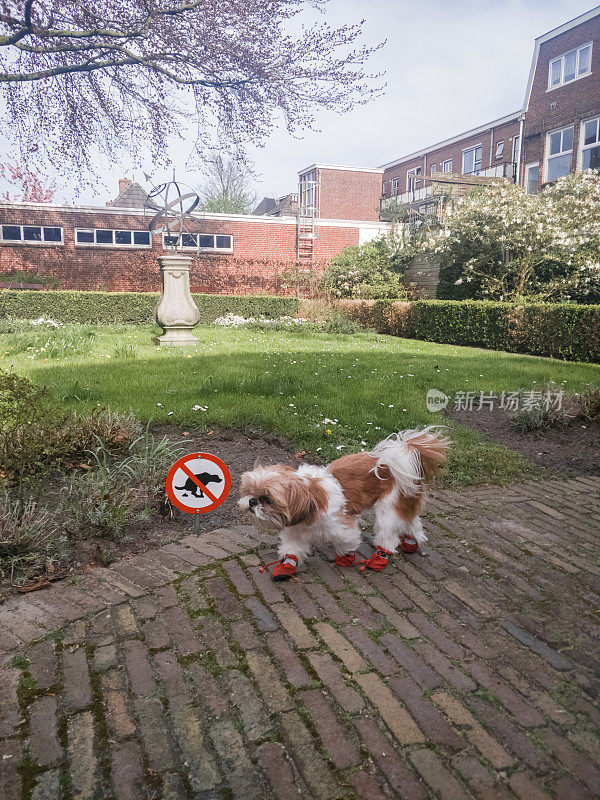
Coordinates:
x,y
288,383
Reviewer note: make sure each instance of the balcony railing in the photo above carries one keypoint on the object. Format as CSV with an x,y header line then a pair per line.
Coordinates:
x,y
421,192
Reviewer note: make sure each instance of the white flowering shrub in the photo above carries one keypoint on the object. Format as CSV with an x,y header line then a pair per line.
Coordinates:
x,y
500,243
363,272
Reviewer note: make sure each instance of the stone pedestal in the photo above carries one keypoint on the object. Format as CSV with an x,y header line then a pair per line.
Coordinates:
x,y
176,312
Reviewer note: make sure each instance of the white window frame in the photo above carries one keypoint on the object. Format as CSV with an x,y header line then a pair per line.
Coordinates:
x,y
309,198
413,172
112,245
195,248
384,188
41,243
583,146
468,150
525,174
562,59
433,169
547,155
445,163
394,186
499,147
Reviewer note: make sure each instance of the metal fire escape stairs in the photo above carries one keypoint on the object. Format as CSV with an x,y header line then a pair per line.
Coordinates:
x,y
309,195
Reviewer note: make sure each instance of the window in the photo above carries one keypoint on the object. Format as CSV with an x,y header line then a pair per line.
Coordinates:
x,y
383,188
532,176
433,168
199,241
472,160
31,234
109,237
309,201
499,149
516,147
395,186
447,165
412,180
559,153
590,144
570,66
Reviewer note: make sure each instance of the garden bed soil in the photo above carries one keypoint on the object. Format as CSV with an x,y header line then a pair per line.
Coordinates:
x,y
240,451
564,451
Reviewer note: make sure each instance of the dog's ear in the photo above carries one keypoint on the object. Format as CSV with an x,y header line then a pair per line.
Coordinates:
x,y
305,502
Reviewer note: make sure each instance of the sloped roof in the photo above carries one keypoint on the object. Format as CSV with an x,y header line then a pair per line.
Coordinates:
x,y
131,197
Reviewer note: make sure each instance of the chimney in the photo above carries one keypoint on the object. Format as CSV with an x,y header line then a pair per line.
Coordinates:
x,y
124,183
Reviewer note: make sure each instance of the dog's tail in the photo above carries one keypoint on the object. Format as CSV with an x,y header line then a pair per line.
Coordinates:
x,y
412,457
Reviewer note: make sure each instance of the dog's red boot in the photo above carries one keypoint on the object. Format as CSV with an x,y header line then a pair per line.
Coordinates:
x,y
378,560
346,561
284,569
408,544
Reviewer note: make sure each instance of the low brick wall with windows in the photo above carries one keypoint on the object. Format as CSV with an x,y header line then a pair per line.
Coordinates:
x,y
111,250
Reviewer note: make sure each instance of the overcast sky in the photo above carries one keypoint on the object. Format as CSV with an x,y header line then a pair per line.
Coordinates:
x,y
450,65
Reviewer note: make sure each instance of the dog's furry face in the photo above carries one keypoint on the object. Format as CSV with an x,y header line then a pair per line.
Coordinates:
x,y
278,497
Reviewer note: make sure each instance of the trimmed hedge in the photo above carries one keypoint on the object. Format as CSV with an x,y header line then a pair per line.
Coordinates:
x,y
570,332
66,306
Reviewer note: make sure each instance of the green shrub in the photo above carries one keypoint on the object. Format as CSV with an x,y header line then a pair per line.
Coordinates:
x,y
566,331
37,436
132,307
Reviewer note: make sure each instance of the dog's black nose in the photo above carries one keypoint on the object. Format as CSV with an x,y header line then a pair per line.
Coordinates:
x,y
253,502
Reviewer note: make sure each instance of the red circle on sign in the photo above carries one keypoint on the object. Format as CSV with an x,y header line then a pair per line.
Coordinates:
x,y
181,464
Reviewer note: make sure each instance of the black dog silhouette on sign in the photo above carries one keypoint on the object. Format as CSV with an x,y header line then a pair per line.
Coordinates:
x,y
193,488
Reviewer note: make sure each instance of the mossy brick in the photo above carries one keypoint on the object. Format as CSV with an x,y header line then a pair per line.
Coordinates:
x,y
330,673
241,775
153,728
431,722
435,775
44,746
341,647
394,766
77,692
293,626
332,734
395,716
312,767
252,711
83,759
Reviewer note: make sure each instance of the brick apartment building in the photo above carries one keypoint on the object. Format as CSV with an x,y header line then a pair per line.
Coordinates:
x,y
556,131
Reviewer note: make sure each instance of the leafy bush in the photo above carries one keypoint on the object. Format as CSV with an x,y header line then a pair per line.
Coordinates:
x,y
104,307
35,436
500,243
567,331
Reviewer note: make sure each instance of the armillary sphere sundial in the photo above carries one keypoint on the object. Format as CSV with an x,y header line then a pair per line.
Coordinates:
x,y
172,205
176,311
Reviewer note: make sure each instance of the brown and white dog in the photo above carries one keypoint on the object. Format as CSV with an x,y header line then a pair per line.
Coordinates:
x,y
313,505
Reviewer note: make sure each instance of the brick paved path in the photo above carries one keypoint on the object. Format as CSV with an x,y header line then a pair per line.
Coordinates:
x,y
469,672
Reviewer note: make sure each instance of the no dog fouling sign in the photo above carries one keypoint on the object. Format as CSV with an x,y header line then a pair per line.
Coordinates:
x,y
198,483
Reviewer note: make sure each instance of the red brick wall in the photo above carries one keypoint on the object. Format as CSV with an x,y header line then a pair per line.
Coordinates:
x,y
438,155
572,102
261,252
349,194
